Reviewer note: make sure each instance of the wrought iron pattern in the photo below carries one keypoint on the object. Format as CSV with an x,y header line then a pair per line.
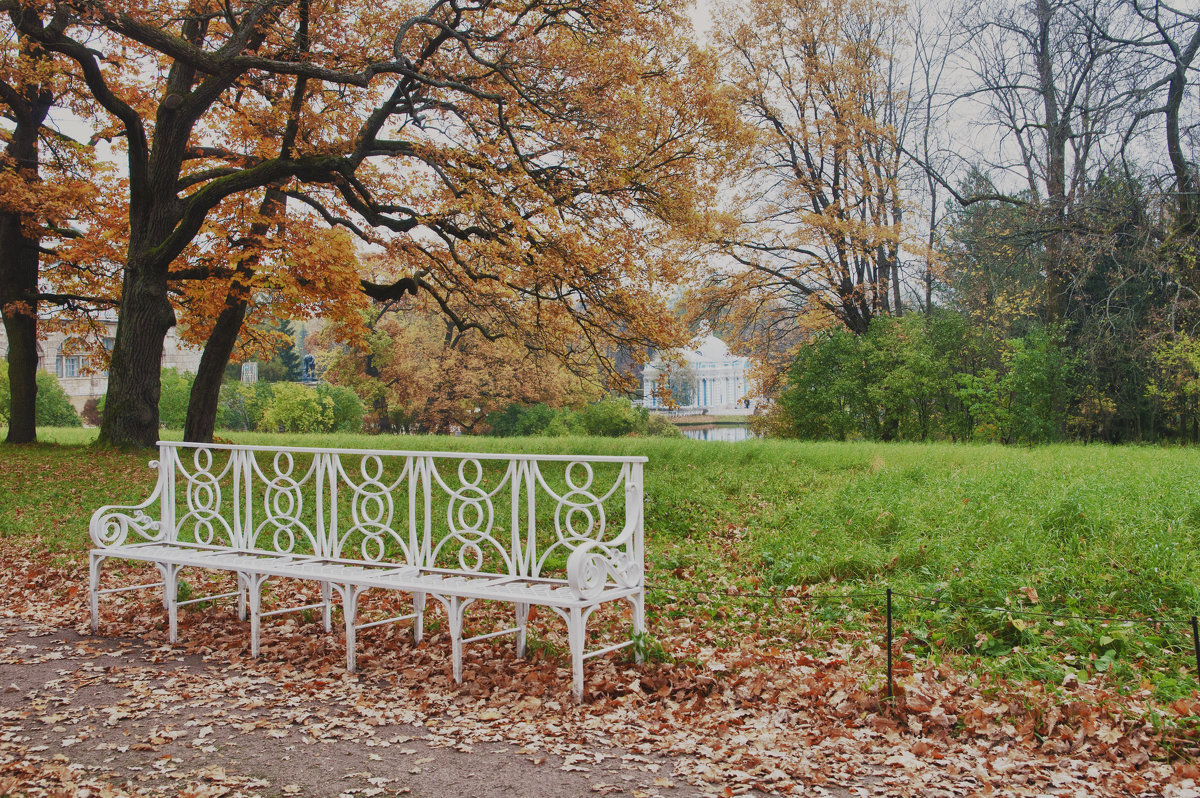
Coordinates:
x,y
566,532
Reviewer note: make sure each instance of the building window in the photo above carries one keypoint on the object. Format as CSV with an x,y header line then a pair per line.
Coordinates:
x,y
68,365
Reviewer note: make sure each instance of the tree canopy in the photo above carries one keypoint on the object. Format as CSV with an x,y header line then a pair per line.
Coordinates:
x,y
514,164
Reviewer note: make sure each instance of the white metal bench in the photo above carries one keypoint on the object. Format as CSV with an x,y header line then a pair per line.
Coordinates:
x,y
563,532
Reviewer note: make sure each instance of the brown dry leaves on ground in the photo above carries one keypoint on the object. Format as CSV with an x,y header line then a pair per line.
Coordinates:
x,y
761,716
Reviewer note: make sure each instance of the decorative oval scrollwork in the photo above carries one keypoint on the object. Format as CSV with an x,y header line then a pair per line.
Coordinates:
x,y
476,554
112,528
372,546
589,575
284,545
584,517
592,566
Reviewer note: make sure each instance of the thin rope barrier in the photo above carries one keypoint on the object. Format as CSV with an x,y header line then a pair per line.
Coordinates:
x,y
1153,621
1043,614
772,596
889,595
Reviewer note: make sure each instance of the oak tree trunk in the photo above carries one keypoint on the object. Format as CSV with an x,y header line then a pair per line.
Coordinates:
x,y
205,397
206,390
18,301
135,374
19,260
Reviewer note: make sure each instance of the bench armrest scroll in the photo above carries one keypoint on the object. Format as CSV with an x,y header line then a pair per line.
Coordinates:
x,y
593,566
111,524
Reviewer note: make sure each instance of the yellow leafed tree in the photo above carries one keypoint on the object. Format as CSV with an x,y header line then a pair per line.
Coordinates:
x,y
418,372
521,167
812,231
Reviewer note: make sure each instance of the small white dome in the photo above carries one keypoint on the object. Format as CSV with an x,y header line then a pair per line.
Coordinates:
x,y
711,349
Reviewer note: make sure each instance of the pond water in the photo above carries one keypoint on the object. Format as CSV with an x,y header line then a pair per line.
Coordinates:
x,y
715,432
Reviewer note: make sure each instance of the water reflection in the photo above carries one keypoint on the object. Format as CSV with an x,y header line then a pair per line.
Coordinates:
x,y
723,432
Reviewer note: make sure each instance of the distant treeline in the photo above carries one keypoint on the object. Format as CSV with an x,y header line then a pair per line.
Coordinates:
x,y
610,417
937,376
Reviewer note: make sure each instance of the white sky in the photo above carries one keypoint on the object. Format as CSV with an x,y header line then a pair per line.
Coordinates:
x,y
701,14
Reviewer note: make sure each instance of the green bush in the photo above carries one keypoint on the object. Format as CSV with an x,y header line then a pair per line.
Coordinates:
x,y
5,393
535,420
288,407
614,417
539,419
1036,384
54,408
503,423
824,388
926,377
173,400
348,409
661,426
241,405
611,418
565,424
297,408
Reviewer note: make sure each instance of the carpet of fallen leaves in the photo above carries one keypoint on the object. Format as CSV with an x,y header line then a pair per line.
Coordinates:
x,y
752,715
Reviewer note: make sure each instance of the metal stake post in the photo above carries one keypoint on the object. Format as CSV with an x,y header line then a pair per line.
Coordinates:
x,y
889,640
1196,644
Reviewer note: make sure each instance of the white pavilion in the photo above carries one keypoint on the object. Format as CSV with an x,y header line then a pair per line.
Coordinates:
x,y
716,376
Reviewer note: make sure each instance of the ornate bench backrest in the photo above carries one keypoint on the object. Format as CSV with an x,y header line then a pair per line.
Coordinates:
x,y
519,515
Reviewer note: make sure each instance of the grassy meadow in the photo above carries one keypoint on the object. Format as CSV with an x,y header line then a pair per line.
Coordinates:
x,y
1080,530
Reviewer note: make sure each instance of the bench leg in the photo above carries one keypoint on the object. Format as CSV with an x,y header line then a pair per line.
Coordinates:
x,y
576,626
94,563
522,622
638,602
327,606
455,612
166,597
170,575
350,611
243,592
455,608
419,619
254,583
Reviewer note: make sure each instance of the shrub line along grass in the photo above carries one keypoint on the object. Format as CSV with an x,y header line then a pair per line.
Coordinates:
x,y
993,540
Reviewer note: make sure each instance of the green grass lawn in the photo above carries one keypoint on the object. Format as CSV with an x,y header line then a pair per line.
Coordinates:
x,y
1084,530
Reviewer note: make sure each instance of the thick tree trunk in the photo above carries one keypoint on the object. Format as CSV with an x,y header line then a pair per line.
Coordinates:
x,y
135,374
20,255
384,416
19,261
22,377
18,302
206,390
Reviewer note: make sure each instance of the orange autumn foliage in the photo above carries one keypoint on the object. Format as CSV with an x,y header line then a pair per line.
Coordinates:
x,y
525,168
418,373
811,232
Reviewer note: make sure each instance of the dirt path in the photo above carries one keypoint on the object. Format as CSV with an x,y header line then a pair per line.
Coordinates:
x,y
150,719
103,716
